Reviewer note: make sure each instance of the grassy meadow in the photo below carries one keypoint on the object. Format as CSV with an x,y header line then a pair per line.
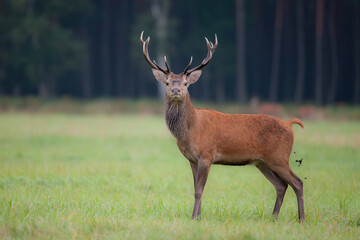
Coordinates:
x,y
98,176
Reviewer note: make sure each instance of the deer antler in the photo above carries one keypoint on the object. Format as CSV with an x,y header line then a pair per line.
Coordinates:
x,y
211,49
153,64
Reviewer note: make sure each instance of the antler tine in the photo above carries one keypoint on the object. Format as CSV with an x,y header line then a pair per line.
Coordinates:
x,y
141,37
167,65
207,41
211,49
160,68
147,57
187,67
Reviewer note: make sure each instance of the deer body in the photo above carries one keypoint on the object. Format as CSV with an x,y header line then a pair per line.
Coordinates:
x,y
207,137
228,139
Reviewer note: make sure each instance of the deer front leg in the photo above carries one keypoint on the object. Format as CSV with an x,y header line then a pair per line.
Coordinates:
x,y
194,168
201,177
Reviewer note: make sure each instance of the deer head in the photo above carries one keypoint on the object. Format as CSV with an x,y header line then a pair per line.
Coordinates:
x,y
177,84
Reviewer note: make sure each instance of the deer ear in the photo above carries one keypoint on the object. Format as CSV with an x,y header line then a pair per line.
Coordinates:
x,y
194,76
159,75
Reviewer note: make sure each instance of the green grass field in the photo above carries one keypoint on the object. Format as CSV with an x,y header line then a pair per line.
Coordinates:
x,y
122,177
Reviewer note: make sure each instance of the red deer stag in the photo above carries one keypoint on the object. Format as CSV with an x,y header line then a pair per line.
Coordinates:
x,y
207,137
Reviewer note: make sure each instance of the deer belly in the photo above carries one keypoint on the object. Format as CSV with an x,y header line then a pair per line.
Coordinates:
x,y
236,158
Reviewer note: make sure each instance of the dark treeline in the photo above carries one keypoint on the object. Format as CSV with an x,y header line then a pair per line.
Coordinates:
x,y
277,50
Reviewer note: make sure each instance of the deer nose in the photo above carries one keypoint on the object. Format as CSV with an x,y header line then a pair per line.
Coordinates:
x,y
175,90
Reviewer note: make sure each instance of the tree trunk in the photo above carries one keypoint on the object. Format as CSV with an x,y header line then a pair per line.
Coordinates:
x,y
357,53
220,90
160,13
52,85
333,52
121,46
47,87
318,51
288,58
260,50
299,93
16,90
276,50
43,87
240,52
206,85
86,85
43,90
105,48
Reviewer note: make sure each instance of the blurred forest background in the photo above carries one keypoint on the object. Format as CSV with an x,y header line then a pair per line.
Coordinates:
x,y
275,50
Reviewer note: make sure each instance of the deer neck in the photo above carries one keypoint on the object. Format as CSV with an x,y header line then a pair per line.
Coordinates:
x,y
179,116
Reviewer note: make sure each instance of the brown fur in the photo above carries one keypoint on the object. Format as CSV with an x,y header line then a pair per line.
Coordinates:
x,y
207,137
228,138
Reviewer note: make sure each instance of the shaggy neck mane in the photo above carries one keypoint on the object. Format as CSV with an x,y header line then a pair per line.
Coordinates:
x,y
179,116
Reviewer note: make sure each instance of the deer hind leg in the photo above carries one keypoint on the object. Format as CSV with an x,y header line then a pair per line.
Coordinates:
x,y
279,184
295,182
201,177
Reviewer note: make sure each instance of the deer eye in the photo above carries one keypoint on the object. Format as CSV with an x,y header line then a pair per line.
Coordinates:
x,y
167,84
185,83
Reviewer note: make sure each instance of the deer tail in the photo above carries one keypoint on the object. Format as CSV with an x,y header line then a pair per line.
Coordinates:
x,y
296,121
